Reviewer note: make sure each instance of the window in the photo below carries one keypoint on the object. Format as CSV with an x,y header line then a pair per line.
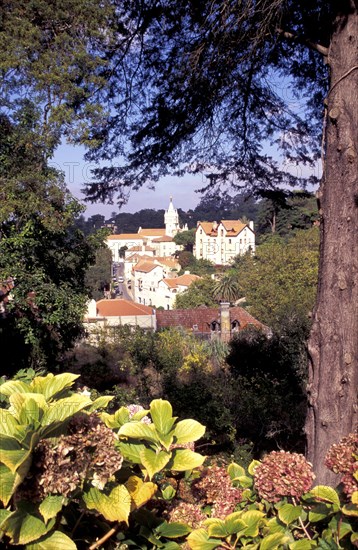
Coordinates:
x,y
229,241
235,326
215,326
222,232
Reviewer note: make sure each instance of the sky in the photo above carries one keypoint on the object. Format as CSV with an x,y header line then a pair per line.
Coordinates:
x,y
70,160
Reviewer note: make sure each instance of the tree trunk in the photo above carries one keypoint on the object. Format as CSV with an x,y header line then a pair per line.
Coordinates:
x,y
333,342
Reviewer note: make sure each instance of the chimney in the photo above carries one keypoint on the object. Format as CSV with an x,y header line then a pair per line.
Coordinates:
x,y
225,321
251,225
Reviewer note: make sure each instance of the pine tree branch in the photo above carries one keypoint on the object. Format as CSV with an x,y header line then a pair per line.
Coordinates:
x,y
302,40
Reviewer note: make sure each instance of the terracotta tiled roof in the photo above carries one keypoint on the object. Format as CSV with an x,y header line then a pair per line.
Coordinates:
x,y
208,228
164,239
183,280
125,237
169,262
233,227
152,232
138,258
145,267
121,308
139,248
199,319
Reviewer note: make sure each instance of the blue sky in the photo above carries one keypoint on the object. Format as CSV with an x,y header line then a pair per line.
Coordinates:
x,y
70,160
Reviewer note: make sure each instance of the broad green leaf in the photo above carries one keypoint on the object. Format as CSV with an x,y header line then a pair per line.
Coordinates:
x,y
187,431
185,459
343,527
138,430
252,518
8,422
275,526
100,403
32,408
117,419
216,528
170,545
50,507
244,481
131,451
200,540
354,498
166,440
3,515
234,523
162,415
272,542
140,414
168,493
303,544
14,386
22,527
62,410
319,512
288,513
141,492
12,454
234,471
252,466
114,507
54,541
325,494
52,385
7,485
172,530
354,539
350,509
154,461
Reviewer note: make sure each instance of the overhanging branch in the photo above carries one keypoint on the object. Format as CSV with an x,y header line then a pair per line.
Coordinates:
x,y
302,40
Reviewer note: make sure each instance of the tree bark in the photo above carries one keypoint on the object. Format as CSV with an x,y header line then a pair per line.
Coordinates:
x,y
333,342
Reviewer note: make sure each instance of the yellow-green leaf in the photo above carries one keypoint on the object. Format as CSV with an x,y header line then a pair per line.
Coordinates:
x,y
50,507
100,403
234,523
138,430
12,454
350,509
7,485
216,528
52,385
325,494
141,492
274,541
172,530
354,498
154,461
200,540
252,466
8,422
252,518
188,430
131,451
54,541
61,410
22,527
288,513
114,507
14,386
235,470
162,415
185,459
303,544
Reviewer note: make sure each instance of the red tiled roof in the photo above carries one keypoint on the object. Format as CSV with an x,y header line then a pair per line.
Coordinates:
x,y
121,308
152,232
202,317
183,280
164,239
125,237
145,267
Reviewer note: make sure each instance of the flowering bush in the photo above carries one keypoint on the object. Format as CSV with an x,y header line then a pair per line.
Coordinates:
x,y
342,459
283,474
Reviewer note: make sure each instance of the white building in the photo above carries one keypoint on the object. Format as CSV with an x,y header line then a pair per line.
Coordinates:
x,y
221,242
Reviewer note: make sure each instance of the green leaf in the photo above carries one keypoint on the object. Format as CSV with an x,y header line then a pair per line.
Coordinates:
x,y
200,540
3,515
216,528
139,415
131,451
162,415
234,523
22,527
319,512
350,509
100,403
50,507
141,492
168,493
7,485
172,530
54,541
154,461
187,431
14,386
138,430
275,526
252,466
117,419
12,454
51,385
114,507
166,440
234,471
244,481
303,544
62,410
325,494
185,459
272,542
252,518
288,513
8,422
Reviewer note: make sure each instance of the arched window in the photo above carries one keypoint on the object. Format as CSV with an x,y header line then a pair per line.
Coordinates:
x,y
235,325
215,326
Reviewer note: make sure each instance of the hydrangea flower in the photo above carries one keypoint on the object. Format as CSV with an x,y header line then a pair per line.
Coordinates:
x,y
282,474
342,459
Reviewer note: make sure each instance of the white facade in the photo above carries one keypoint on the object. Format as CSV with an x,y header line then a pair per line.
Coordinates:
x,y
221,242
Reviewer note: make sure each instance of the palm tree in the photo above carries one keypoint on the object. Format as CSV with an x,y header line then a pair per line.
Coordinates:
x,y
227,288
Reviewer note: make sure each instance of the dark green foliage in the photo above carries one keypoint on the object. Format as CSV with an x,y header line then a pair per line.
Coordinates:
x,y
98,276
200,293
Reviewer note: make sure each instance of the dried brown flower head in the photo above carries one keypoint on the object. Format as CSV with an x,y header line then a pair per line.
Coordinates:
x,y
342,459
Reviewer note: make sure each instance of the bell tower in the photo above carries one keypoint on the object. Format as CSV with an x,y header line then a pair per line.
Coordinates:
x,y
171,220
